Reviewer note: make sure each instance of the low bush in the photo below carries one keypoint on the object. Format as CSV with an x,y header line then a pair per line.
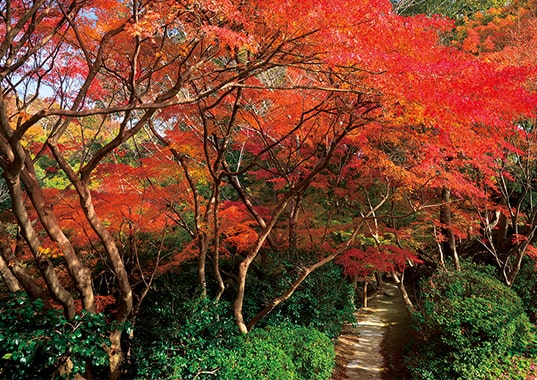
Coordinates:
x,y
469,320
525,286
179,334
206,344
311,351
181,340
254,357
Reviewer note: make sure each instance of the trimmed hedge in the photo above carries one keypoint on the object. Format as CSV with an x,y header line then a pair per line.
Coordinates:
x,y
469,320
310,350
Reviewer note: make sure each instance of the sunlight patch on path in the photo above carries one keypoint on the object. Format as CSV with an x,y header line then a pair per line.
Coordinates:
x,y
358,348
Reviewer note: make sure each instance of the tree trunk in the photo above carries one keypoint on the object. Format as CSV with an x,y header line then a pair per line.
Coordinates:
x,y
125,291
17,270
364,294
80,274
510,273
265,232
13,158
65,368
445,218
521,249
411,309
216,259
239,299
199,228
202,261
30,236
247,261
6,252
440,249
82,187
378,278
293,223
291,289
115,354
249,203
9,278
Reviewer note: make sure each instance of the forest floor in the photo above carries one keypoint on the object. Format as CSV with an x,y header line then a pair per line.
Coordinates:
x,y
373,347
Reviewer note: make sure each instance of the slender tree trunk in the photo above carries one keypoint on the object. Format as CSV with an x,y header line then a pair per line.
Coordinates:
x,y
510,273
9,278
411,309
293,223
200,231
522,248
265,232
440,249
239,299
245,265
125,300
30,236
202,260
364,294
291,289
249,203
216,259
203,237
125,291
354,281
78,271
445,218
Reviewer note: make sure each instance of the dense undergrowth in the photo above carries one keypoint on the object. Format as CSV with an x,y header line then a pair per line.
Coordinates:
x,y
471,326
181,335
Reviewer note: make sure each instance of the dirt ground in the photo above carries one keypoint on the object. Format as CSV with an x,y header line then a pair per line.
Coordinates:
x,y
373,347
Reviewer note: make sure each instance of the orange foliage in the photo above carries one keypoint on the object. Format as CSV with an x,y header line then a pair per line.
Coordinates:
x,y
342,98
237,226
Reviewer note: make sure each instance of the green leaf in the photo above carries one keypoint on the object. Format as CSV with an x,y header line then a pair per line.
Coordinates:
x,y
7,356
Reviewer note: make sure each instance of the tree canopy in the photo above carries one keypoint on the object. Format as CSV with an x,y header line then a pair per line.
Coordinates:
x,y
137,135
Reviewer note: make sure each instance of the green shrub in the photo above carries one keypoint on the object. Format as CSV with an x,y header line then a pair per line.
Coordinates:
x,y
33,340
525,286
253,358
180,335
182,340
206,344
311,351
278,352
468,320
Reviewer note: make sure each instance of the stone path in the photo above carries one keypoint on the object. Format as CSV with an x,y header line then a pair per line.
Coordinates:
x,y
372,348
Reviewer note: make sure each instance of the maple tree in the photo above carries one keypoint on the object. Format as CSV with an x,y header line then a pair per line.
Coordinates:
x,y
506,213
442,118
246,125
121,67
